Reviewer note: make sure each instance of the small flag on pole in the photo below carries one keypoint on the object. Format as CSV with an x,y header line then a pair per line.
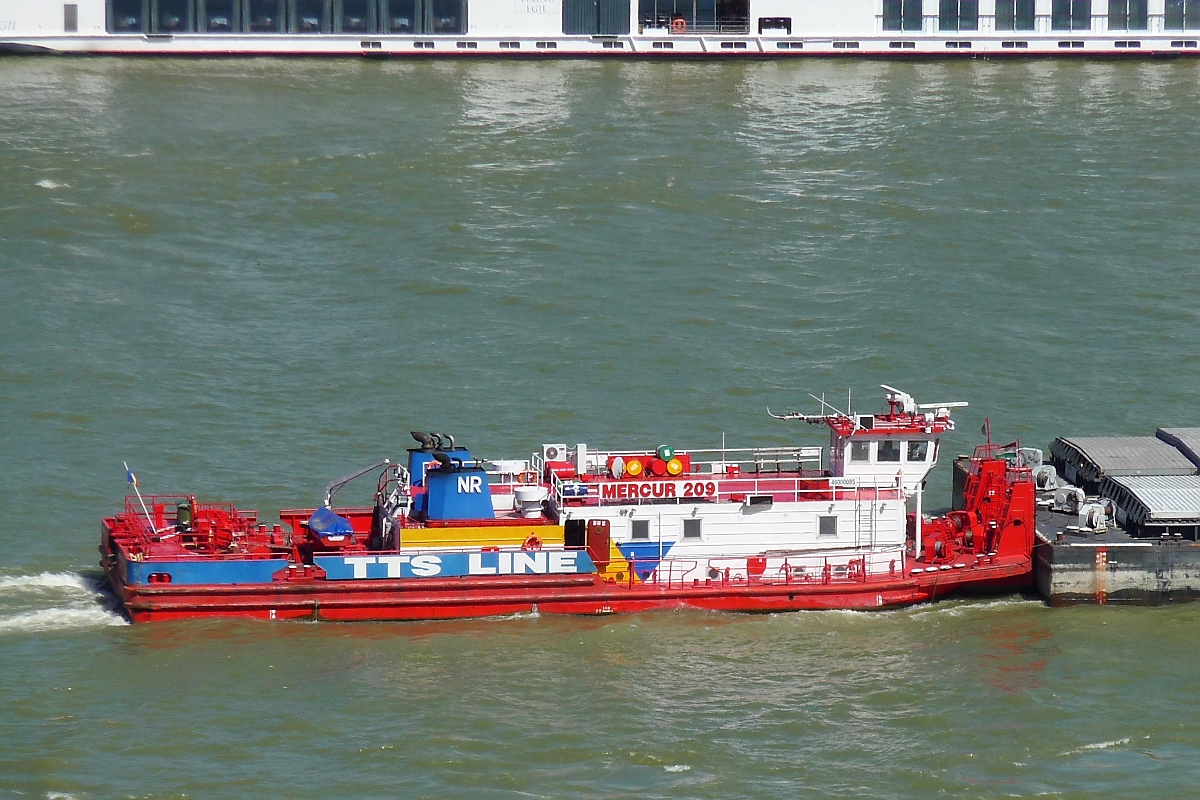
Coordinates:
x,y
129,476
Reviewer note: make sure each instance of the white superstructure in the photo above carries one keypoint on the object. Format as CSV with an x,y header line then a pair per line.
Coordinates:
x,y
550,28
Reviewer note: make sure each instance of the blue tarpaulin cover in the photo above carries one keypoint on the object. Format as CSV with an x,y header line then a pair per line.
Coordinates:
x,y
324,522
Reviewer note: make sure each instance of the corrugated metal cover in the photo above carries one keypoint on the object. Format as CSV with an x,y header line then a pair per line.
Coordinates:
x,y
1166,498
1129,455
1186,440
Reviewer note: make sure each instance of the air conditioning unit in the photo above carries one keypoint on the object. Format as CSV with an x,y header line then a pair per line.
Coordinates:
x,y
554,452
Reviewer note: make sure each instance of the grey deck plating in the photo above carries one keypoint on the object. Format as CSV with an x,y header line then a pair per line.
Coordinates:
x,y
1074,566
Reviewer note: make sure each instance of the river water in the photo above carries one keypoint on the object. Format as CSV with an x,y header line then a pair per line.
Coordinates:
x,y
248,277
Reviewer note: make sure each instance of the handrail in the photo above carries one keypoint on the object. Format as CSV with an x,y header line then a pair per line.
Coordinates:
x,y
842,566
727,488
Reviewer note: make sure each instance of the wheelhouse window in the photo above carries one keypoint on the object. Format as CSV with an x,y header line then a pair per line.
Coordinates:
x,y
1182,15
918,451
958,15
705,16
1127,15
1071,15
860,452
692,528
1014,15
889,450
641,529
595,17
902,15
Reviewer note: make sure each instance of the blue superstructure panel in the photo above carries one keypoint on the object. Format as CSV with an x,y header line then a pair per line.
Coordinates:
x,y
644,555
456,564
206,572
417,459
458,494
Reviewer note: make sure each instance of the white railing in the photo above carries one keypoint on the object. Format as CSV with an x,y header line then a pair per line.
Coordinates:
x,y
707,488
845,566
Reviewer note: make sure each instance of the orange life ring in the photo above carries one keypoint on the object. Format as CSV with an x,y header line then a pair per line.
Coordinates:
x,y
679,25
532,543
528,476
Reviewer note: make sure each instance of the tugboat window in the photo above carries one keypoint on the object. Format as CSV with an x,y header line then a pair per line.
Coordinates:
x,y
860,452
691,528
826,525
917,451
641,529
889,450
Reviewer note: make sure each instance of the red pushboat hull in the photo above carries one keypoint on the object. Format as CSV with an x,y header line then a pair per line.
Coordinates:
x,y
387,600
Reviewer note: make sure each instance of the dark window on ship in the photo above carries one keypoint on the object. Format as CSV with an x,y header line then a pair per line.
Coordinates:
x,y
71,18
308,16
398,16
218,16
641,529
860,452
424,16
705,16
889,450
691,528
1014,15
263,16
1071,15
917,451
354,16
127,16
171,16
1127,15
826,525
958,15
902,15
1182,15
592,17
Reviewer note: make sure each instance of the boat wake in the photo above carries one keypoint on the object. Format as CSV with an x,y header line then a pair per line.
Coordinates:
x,y
55,601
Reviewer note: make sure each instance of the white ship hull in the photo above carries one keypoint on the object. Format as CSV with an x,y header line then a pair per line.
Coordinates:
x,y
610,28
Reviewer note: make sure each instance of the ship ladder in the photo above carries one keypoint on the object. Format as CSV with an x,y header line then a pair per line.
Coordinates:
x,y
865,519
